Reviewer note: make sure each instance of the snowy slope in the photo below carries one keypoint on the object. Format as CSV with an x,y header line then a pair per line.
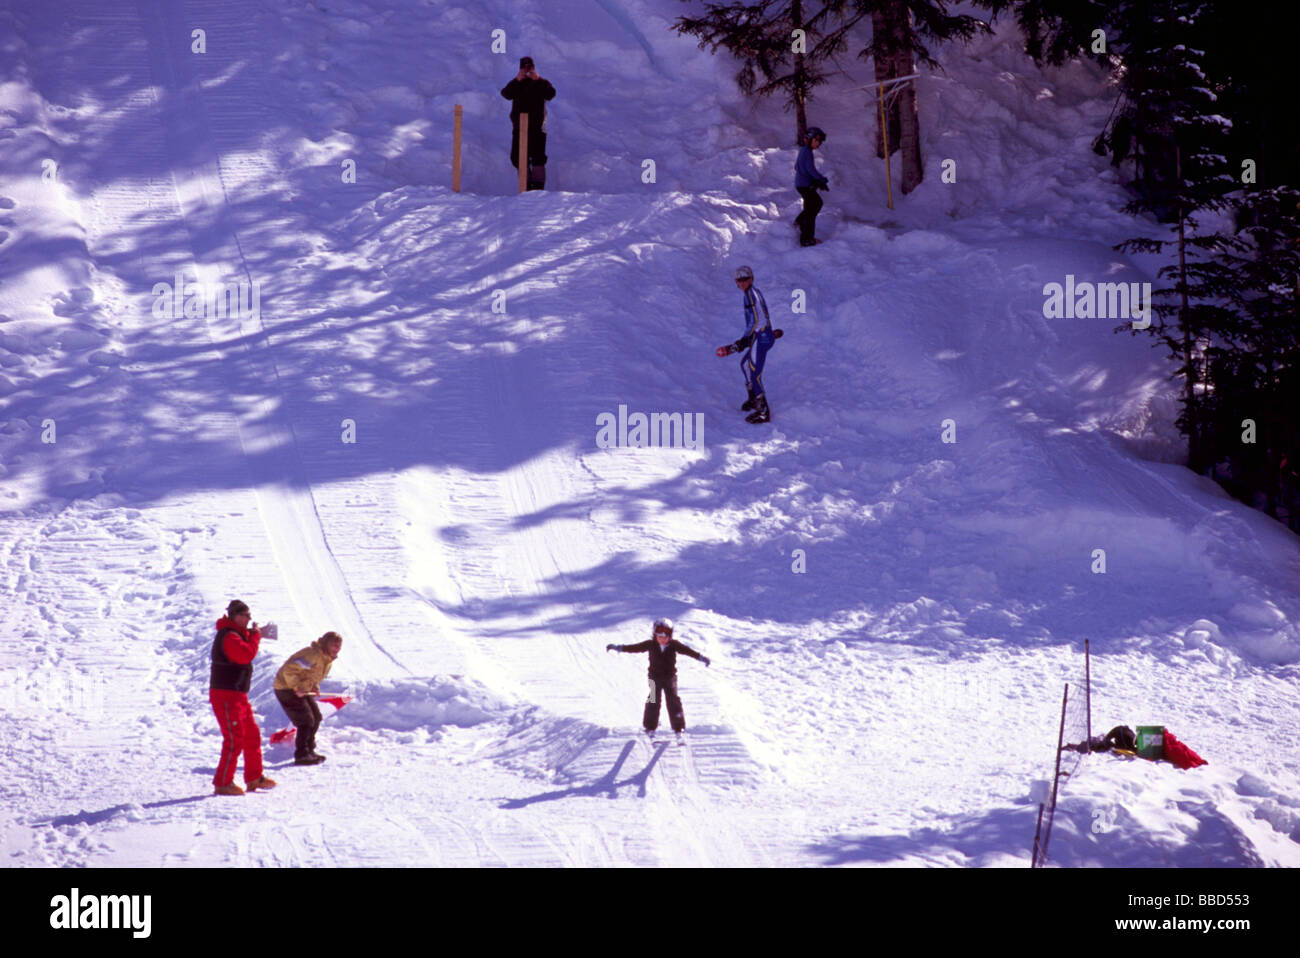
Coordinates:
x,y
894,704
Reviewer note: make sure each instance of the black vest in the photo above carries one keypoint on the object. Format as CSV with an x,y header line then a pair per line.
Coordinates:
x,y
227,674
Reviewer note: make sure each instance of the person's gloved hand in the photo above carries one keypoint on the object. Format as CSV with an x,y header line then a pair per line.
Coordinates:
x,y
613,648
826,186
705,660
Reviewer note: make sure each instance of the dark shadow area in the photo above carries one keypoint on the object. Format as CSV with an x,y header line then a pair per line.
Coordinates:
x,y
1005,830
95,818
376,308
607,785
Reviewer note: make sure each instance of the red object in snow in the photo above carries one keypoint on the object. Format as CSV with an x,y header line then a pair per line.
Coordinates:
x,y
1179,755
338,701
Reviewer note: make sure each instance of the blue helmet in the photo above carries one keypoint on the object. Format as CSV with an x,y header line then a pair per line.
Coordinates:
x,y
814,133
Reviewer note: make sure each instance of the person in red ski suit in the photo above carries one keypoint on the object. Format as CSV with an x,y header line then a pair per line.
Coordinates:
x,y
233,651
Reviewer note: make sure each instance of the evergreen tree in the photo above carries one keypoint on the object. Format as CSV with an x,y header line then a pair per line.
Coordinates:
x,y
782,46
1266,360
1164,77
899,29
1060,30
761,35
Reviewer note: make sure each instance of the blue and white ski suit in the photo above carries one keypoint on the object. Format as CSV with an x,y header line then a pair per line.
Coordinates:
x,y
758,339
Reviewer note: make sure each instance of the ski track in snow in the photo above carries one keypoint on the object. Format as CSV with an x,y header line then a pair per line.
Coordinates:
x,y
478,551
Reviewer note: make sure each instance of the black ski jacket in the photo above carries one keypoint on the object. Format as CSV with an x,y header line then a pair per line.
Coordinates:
x,y
528,96
663,665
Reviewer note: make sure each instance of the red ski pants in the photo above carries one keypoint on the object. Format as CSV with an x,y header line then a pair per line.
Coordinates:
x,y
239,733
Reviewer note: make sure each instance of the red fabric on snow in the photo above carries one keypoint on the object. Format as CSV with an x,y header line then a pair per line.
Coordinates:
x,y
1179,754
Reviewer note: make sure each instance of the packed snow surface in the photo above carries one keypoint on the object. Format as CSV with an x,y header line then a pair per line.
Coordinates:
x,y
399,443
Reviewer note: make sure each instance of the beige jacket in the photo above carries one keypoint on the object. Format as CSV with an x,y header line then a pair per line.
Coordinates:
x,y
304,670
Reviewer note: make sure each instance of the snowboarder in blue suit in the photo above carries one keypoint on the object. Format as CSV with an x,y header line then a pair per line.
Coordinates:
x,y
807,180
753,346
663,651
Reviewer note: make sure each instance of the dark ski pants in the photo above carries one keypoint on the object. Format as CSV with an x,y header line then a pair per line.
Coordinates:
x,y
536,146
807,220
664,688
751,364
304,713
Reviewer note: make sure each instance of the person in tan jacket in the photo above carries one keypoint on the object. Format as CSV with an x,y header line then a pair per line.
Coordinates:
x,y
296,685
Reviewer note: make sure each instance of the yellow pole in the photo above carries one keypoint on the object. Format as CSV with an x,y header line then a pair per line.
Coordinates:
x,y
884,138
455,149
523,152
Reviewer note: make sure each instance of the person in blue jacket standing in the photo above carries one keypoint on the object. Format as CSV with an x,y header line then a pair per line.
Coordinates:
x,y
807,180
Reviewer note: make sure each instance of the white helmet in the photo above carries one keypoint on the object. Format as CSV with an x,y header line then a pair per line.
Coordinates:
x,y
744,272
662,625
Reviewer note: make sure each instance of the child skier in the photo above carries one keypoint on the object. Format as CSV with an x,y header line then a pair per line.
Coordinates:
x,y
663,651
753,346
808,181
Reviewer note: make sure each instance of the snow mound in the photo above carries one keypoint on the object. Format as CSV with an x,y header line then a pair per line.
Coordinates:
x,y
428,702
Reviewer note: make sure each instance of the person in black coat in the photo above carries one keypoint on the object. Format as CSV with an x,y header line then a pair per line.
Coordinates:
x,y
528,93
663,649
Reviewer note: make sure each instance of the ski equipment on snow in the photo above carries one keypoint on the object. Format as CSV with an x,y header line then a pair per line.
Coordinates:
x,y
338,701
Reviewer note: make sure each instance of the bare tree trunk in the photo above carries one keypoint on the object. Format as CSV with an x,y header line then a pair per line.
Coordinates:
x,y
800,95
882,36
904,64
1184,320
892,27
910,140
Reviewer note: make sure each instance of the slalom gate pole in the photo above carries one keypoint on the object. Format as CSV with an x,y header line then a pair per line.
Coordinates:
x,y
1087,690
1033,859
455,148
523,152
1056,777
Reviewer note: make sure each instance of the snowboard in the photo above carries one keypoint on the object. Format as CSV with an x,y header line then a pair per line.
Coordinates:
x,y
723,351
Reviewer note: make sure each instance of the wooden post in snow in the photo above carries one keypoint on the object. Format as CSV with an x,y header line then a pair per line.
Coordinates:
x,y
523,152
1033,859
455,148
1056,777
1087,690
